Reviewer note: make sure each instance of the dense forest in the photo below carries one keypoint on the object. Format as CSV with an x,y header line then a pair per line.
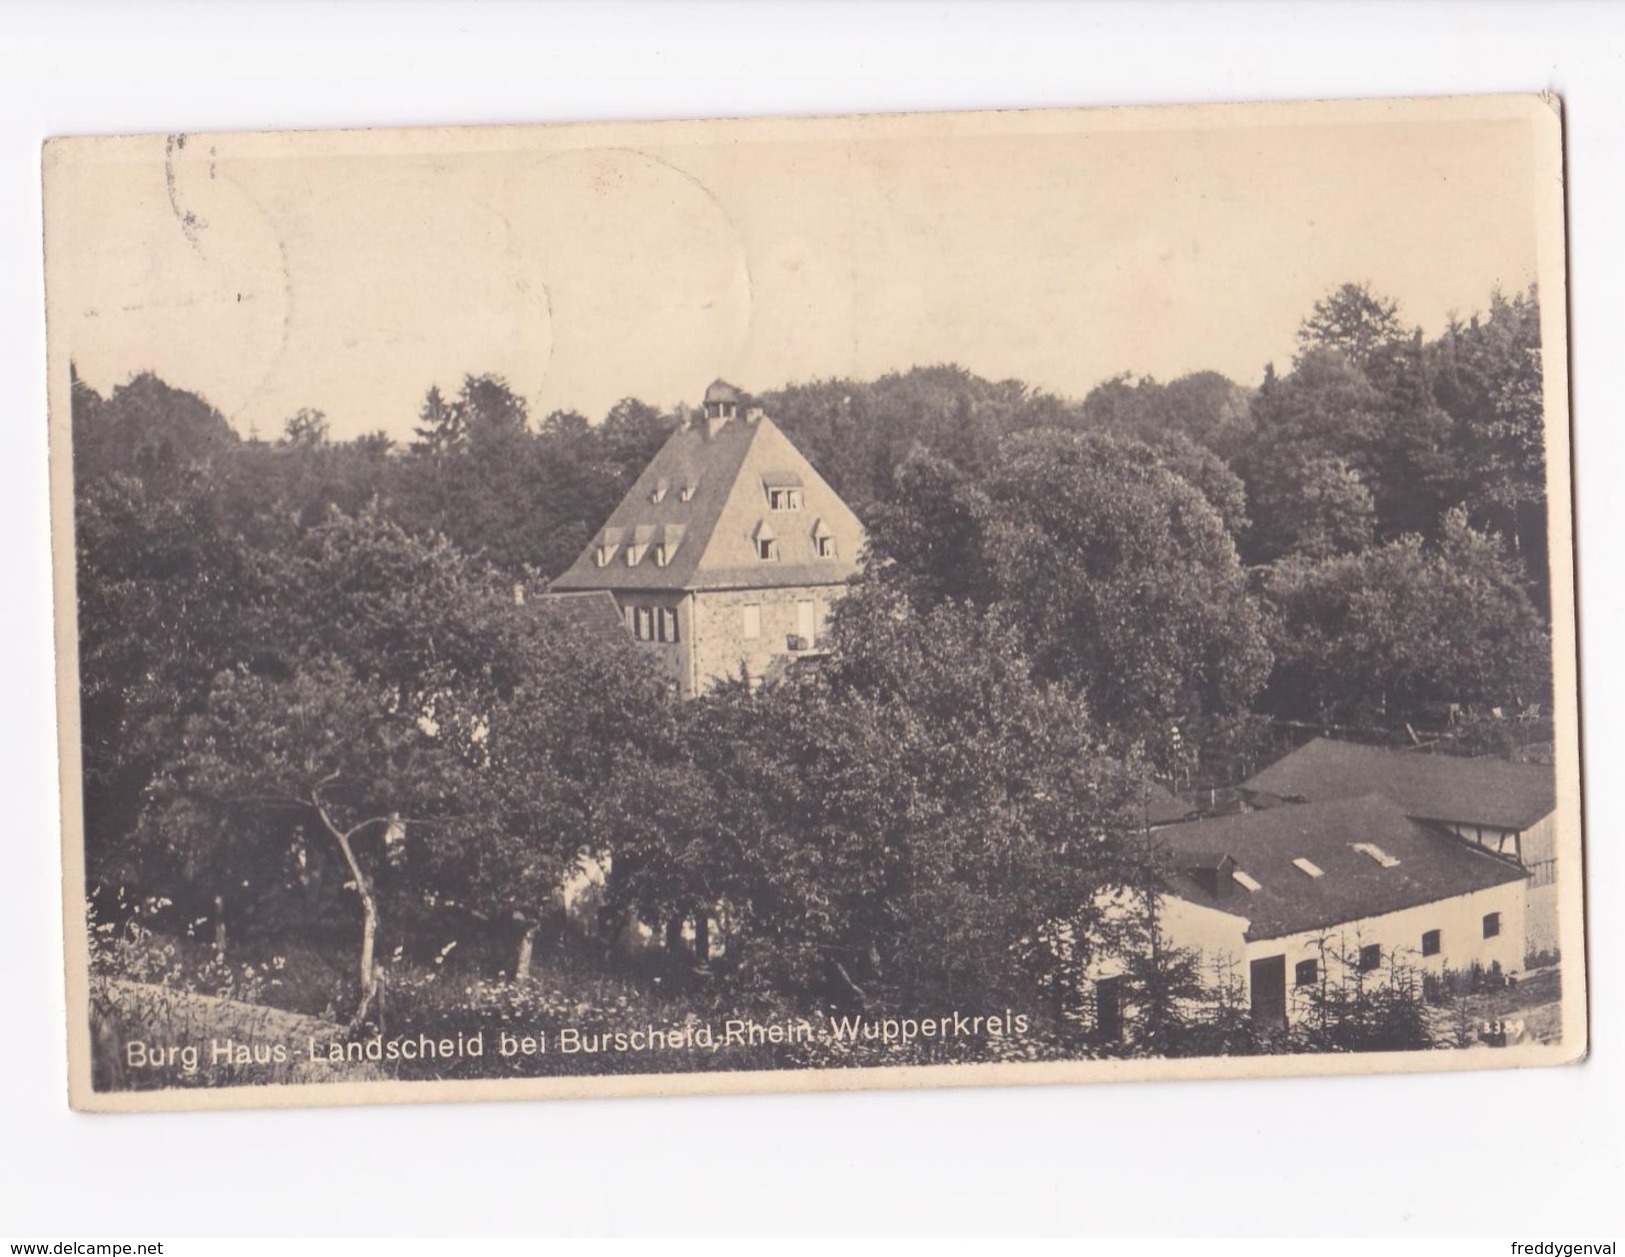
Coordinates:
x,y
331,755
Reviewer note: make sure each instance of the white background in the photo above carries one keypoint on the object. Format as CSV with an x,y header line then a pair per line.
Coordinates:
x,y
1535,1154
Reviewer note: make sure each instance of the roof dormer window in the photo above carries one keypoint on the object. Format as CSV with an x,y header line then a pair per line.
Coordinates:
x,y
608,542
638,544
665,539
767,542
823,540
783,491
1246,881
1308,867
658,494
686,493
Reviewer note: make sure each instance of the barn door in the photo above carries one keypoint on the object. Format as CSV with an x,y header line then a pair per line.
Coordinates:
x,y
1109,1009
1268,978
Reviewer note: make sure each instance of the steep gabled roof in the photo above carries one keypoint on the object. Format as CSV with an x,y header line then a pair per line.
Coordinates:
x,y
729,474
1483,791
1372,859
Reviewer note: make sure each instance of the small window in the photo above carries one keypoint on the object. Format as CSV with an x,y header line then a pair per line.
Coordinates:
x,y
1307,973
1247,880
1492,924
752,626
661,554
1376,853
1370,957
767,549
644,624
1430,943
686,493
668,624
826,547
1308,867
784,499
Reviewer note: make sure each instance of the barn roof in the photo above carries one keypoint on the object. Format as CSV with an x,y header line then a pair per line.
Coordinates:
x,y
713,486
1163,807
1481,791
1318,865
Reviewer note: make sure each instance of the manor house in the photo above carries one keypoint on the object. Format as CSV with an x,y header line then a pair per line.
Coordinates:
x,y
726,555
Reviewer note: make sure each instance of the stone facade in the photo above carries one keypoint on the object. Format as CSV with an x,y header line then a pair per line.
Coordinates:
x,y
727,553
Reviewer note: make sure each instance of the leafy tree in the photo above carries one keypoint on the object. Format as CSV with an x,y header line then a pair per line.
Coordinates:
x,y
1355,322
410,713
1316,507
1124,580
865,827
1204,408
858,432
1326,414
931,530
306,429
1417,477
1403,630
632,434
442,426
164,578
1489,378
1120,575
1205,471
494,416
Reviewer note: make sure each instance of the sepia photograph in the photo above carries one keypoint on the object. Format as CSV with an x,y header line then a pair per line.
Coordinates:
x,y
814,603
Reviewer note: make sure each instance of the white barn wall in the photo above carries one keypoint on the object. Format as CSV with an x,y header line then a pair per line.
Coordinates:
x,y
1459,920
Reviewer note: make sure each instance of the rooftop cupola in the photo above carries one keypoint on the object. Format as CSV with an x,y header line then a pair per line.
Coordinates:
x,y
721,404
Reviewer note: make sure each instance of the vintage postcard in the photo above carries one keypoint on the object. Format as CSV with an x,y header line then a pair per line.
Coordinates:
x,y
819,603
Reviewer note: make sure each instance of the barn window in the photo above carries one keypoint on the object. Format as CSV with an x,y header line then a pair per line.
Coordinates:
x,y
1492,924
1307,973
1430,943
1370,957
